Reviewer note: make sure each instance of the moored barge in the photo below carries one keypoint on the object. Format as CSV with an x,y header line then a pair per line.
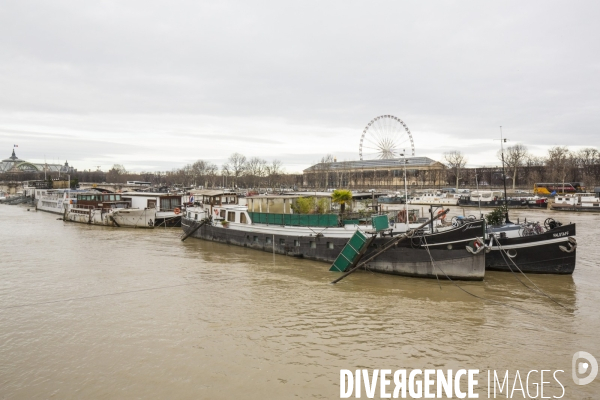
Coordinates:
x,y
440,254
109,210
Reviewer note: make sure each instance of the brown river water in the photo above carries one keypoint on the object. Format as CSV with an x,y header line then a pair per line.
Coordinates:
x,y
88,312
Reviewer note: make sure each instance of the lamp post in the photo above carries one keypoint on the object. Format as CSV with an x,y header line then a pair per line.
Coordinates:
x,y
502,141
405,186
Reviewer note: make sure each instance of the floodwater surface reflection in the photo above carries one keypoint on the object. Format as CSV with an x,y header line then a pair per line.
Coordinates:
x,y
117,313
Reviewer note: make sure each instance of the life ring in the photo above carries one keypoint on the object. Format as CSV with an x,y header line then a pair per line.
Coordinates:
x,y
216,212
442,215
176,211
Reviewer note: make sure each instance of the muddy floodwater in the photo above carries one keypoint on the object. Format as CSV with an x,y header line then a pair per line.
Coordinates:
x,y
89,312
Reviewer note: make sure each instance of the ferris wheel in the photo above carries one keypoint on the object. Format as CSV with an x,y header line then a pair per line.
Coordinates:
x,y
385,137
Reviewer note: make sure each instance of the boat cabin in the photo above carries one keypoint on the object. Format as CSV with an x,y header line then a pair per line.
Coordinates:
x,y
483,195
225,213
211,197
101,200
160,201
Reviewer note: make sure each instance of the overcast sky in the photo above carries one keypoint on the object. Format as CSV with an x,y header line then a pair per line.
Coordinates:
x,y
155,85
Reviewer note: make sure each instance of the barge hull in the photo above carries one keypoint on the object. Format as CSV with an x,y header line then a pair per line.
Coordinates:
x,y
406,259
539,254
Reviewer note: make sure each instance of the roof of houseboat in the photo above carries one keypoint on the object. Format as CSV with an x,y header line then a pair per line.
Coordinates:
x,y
213,192
148,194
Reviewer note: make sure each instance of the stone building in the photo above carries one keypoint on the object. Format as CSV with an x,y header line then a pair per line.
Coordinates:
x,y
385,173
15,164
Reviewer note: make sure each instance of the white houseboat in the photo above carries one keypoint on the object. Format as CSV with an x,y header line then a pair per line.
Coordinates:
x,y
430,198
587,202
108,209
54,200
168,206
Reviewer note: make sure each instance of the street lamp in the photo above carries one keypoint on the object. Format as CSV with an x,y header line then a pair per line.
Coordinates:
x,y
502,141
405,186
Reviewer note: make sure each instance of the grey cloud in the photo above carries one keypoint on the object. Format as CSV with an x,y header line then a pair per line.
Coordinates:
x,y
457,69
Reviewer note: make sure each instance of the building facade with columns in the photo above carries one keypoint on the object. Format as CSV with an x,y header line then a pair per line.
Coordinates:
x,y
384,173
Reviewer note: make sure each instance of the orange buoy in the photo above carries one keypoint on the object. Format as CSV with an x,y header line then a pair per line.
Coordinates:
x,y
443,217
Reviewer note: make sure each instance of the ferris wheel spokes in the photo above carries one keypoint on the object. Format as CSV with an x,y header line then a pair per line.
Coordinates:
x,y
385,137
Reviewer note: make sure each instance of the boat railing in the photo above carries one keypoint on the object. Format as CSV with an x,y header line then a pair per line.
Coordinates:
x,y
83,207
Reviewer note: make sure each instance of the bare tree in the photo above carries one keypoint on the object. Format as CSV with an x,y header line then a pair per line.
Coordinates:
x,y
256,168
116,174
514,157
588,163
211,174
456,161
274,168
198,171
534,171
557,161
273,171
237,165
225,172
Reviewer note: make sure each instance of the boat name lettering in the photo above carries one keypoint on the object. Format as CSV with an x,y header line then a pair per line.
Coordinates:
x,y
561,234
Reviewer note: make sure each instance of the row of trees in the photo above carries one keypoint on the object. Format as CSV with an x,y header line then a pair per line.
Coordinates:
x,y
524,169
238,171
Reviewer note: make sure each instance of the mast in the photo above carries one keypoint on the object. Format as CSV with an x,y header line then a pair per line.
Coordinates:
x,y
502,141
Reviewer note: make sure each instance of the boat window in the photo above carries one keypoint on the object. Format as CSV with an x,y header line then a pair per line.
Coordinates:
x,y
243,219
313,245
282,241
196,217
118,197
256,239
330,245
112,197
231,216
297,243
165,204
222,214
106,197
268,240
